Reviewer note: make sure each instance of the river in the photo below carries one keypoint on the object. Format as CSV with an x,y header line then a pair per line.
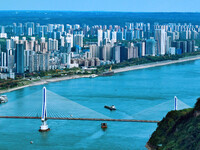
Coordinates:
x,y
140,94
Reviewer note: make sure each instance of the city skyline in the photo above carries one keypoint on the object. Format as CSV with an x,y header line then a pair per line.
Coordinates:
x,y
103,5
99,74
32,47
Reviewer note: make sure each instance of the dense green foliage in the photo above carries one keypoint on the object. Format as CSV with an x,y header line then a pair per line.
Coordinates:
x,y
178,130
197,43
197,105
89,39
36,76
11,83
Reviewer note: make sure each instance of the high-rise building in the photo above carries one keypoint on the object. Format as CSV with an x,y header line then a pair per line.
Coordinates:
x,y
150,47
106,52
43,62
129,35
100,37
135,52
119,36
20,58
52,44
8,44
123,53
116,54
137,34
172,50
183,46
3,59
160,37
141,48
95,51
26,58
78,40
50,27
190,46
113,37
69,39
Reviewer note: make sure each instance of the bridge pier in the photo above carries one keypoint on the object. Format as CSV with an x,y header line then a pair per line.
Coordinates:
x,y
44,127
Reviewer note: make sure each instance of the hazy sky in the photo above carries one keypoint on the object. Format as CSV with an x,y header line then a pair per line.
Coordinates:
x,y
103,5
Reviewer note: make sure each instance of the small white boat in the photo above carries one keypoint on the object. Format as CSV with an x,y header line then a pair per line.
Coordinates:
x,y
93,76
3,99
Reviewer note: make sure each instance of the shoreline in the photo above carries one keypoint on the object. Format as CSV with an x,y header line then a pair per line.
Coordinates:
x,y
45,81
125,69
157,64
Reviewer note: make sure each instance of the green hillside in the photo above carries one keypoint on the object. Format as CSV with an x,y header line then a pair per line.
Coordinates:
x,y
179,130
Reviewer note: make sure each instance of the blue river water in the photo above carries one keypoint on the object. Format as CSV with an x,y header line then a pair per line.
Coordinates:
x,y
140,94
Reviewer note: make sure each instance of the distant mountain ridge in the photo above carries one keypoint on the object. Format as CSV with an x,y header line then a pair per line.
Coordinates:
x,y
96,18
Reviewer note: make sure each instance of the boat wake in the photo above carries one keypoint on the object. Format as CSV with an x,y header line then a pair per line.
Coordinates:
x,y
84,143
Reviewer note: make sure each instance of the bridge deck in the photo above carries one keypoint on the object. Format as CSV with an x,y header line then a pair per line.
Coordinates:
x,y
86,119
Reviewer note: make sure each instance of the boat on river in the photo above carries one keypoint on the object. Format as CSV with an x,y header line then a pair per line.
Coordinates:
x,y
104,125
93,76
110,107
3,99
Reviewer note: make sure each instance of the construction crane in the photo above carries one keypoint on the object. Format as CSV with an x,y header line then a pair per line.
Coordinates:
x,y
110,68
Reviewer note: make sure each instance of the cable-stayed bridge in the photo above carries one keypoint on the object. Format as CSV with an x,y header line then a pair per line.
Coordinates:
x,y
56,107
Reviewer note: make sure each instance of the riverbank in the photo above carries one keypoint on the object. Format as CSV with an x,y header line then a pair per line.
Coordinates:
x,y
157,64
45,81
125,69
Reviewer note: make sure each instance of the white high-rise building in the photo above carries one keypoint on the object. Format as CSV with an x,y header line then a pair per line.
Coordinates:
x,y
62,41
61,28
108,34
69,39
100,37
52,44
114,37
160,37
30,31
143,48
76,26
68,27
50,27
8,44
42,39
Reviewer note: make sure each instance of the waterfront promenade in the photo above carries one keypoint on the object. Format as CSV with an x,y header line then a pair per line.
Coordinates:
x,y
156,64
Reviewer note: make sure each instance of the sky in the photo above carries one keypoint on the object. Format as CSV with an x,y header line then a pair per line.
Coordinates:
x,y
103,5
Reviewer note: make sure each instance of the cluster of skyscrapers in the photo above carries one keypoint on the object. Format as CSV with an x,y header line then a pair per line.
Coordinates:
x,y
33,47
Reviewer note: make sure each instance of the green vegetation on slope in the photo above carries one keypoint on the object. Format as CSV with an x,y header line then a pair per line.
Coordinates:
x,y
179,130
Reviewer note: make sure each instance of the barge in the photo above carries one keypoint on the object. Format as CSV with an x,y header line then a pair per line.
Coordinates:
x,y
110,107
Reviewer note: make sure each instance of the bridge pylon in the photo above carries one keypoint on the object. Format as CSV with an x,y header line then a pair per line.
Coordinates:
x,y
175,103
44,127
